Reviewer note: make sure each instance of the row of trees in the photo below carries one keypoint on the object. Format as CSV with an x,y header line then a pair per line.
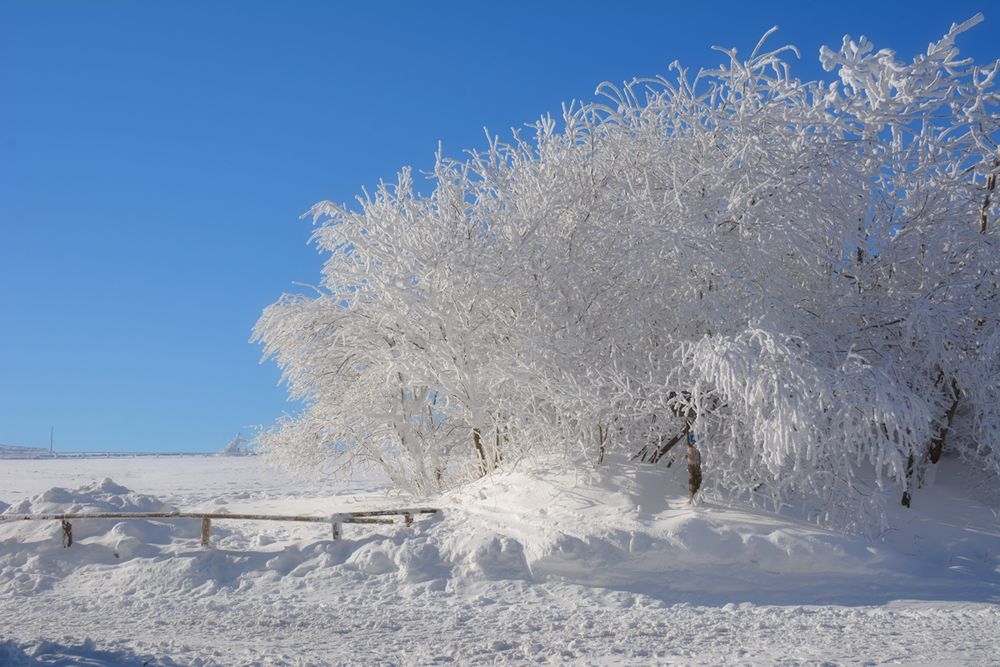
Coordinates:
x,y
796,282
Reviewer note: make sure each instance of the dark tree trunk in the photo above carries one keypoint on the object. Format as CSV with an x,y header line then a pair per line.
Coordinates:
x,y
669,444
991,185
602,439
905,501
694,469
477,443
687,412
936,447
937,444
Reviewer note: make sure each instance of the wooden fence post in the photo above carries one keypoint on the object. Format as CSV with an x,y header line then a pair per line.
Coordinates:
x,y
335,530
67,528
206,530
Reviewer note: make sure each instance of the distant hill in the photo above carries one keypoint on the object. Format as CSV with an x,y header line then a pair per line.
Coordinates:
x,y
19,452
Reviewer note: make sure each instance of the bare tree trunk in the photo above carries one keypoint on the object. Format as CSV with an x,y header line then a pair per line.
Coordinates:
x,y
936,447
991,185
905,501
497,455
602,438
694,469
666,447
477,443
937,444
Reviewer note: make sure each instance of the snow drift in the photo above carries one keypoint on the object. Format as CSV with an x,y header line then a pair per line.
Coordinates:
x,y
615,528
532,564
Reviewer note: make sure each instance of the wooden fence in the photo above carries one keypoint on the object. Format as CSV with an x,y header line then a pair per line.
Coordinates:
x,y
335,520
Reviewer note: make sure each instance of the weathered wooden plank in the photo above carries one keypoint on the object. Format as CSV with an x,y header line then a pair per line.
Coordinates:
x,y
367,516
335,520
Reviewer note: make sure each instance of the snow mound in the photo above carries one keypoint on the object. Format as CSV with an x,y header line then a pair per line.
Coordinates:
x,y
84,654
150,557
32,556
632,529
622,528
103,496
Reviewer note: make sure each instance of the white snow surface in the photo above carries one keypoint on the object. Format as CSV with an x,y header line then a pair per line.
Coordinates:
x,y
528,566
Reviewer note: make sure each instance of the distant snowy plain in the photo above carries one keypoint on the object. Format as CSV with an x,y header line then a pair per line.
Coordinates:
x,y
527,567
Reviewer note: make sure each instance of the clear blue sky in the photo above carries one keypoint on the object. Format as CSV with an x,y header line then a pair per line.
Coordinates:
x,y
155,157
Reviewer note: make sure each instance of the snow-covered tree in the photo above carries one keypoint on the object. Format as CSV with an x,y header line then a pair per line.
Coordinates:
x,y
792,283
238,446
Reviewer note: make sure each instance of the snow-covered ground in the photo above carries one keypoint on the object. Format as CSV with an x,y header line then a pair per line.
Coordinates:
x,y
528,566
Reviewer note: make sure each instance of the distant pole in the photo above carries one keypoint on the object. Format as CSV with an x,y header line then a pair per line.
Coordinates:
x,y
52,437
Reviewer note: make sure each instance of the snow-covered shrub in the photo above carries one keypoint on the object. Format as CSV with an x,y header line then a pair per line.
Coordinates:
x,y
797,279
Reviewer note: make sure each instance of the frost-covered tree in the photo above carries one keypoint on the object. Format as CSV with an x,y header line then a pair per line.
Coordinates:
x,y
794,284
238,446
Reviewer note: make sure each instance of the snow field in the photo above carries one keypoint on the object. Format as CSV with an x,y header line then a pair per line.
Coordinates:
x,y
529,566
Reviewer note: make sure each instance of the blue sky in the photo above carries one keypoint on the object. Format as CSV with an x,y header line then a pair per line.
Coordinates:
x,y
155,157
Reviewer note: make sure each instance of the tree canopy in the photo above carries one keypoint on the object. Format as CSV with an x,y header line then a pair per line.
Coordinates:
x,y
796,281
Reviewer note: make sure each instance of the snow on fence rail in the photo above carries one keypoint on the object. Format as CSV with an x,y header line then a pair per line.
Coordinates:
x,y
335,520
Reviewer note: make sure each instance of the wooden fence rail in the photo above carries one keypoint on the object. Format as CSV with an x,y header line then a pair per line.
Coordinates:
x,y
335,520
